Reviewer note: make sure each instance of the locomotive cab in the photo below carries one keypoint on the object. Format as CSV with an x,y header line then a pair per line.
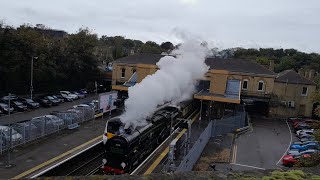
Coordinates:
x,y
115,160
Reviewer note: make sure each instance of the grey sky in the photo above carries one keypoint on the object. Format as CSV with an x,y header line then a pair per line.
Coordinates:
x,y
225,23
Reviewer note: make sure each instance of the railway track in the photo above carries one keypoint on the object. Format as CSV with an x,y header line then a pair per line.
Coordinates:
x,y
89,162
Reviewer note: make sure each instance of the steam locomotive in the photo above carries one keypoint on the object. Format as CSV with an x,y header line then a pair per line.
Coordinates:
x,y
125,149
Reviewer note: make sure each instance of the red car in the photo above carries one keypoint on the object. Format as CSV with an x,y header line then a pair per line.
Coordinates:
x,y
290,160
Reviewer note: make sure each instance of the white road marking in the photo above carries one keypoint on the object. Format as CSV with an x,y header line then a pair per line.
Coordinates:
x,y
248,166
289,144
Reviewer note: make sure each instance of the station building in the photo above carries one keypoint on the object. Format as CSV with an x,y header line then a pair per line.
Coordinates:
x,y
227,83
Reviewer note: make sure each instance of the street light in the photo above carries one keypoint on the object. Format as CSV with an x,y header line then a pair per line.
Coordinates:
x,y
31,81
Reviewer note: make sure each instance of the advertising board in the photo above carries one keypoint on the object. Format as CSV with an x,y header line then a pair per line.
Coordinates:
x,y
106,101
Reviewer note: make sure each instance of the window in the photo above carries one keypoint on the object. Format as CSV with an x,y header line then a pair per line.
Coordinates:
x,y
304,91
245,84
123,73
260,86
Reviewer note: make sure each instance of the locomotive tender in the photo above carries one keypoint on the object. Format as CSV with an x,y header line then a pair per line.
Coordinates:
x,y
125,149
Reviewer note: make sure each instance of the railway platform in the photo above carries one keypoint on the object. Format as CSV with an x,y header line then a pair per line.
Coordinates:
x,y
157,162
31,158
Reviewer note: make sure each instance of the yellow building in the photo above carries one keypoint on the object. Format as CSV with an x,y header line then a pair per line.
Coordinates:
x,y
228,81
293,93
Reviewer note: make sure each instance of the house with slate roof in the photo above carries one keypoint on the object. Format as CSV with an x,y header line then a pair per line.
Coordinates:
x,y
294,94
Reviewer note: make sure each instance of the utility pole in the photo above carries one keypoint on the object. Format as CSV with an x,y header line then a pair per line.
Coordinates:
x,y
31,76
9,165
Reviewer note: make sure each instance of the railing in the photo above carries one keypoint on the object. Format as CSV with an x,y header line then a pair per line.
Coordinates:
x,y
256,94
24,132
214,128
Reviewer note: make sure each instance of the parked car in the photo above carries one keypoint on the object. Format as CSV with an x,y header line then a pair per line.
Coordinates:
x,y
58,98
49,120
53,101
301,126
31,104
83,91
309,138
5,108
5,133
290,160
81,96
304,143
11,97
305,131
303,136
296,152
305,147
67,93
82,106
65,98
19,106
44,102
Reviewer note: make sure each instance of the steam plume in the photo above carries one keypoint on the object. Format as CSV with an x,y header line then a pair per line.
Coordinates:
x,y
174,81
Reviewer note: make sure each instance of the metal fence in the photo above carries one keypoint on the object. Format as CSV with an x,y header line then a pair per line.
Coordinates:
x,y
215,128
193,155
24,132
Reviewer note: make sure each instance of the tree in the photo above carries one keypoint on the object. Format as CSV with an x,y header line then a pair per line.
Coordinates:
x,y
168,46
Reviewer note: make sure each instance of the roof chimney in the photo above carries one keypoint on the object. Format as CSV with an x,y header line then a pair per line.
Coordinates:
x,y
301,72
306,74
312,73
271,65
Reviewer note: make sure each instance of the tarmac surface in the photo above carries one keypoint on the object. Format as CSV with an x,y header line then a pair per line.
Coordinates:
x,y
263,147
27,115
26,157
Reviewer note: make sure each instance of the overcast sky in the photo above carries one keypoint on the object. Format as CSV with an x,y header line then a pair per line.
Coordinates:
x,y
225,23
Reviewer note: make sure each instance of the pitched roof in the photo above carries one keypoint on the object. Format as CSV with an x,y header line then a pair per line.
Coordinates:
x,y
238,65
292,77
144,58
233,65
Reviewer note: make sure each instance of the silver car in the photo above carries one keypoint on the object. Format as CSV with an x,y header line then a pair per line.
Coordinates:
x,y
296,152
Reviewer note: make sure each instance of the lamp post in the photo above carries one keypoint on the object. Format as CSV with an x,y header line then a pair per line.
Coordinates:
x,y
9,165
31,76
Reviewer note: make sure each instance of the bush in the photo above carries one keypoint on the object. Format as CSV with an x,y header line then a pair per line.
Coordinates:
x,y
309,161
289,175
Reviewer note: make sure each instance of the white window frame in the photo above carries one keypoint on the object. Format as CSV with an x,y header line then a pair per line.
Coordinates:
x,y
306,94
261,81
122,77
245,80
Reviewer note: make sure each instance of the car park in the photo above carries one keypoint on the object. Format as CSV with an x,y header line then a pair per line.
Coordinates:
x,y
5,108
31,104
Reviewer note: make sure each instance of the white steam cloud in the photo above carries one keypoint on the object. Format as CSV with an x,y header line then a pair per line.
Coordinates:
x,y
173,82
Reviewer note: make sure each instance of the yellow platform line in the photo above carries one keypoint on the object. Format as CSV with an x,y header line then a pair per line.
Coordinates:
x,y
166,151
55,159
